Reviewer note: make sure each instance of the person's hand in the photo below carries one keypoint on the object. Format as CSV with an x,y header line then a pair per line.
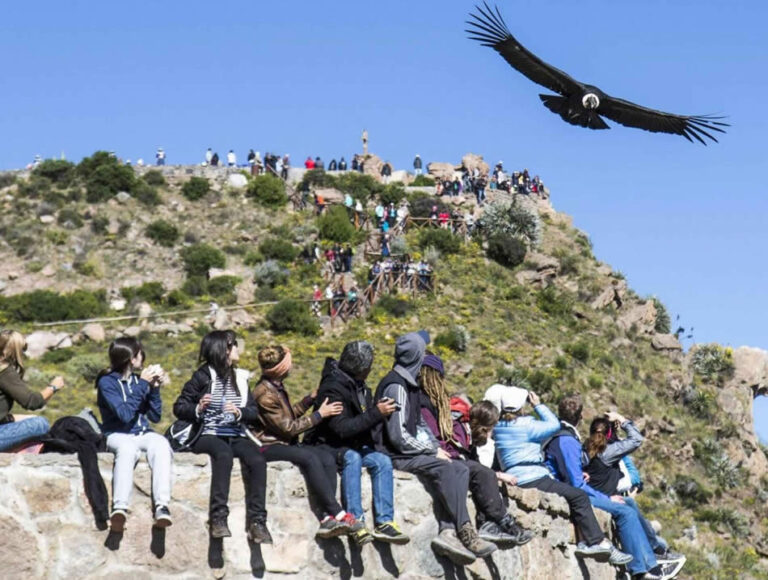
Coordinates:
x,y
58,382
386,407
615,418
617,499
443,454
231,408
313,394
533,398
204,402
330,409
152,375
506,478
586,476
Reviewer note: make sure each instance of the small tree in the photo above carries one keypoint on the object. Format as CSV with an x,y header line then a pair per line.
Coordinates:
x,y
59,171
440,239
277,249
163,233
292,316
199,258
506,250
196,188
334,225
511,219
154,177
107,180
268,191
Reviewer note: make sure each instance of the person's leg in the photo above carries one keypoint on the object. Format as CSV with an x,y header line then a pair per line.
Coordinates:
x,y
657,544
330,467
631,534
13,434
350,483
160,459
379,466
221,468
485,491
581,510
124,446
253,466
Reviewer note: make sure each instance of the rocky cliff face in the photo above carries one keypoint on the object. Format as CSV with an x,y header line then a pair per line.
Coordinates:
x,y
48,531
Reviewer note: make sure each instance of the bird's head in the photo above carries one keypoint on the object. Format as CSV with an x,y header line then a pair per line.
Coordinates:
x,y
590,101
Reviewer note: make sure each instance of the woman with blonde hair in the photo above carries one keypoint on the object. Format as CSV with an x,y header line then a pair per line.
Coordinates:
x,y
17,429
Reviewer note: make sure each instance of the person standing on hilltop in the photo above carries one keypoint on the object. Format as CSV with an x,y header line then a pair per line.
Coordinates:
x,y
309,164
215,160
417,165
231,159
208,156
342,164
128,402
386,172
16,429
160,156
286,166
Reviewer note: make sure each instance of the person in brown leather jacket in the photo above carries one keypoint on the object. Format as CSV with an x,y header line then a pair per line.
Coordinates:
x,y
278,427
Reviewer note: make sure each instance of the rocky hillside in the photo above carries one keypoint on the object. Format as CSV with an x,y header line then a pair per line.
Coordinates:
x,y
541,311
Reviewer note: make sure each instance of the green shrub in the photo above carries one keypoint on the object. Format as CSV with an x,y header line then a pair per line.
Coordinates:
x,y
360,186
236,249
316,178
334,225
199,258
717,464
196,188
57,237
595,381
506,250
554,303
151,292
392,193
513,376
712,361
99,224
252,258
561,363
47,306
541,381
107,180
455,338
423,181
269,274
277,249
268,191
724,520
292,316
7,180
89,165
663,323
421,204
195,286
690,492
163,233
579,350
59,171
440,239
69,218
58,356
154,177
87,265
146,194
178,298
223,288
509,218
397,307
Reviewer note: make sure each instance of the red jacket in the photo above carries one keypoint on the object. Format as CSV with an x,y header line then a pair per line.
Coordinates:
x,y
309,163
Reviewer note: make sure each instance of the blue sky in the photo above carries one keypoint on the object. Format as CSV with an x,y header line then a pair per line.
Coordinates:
x,y
682,221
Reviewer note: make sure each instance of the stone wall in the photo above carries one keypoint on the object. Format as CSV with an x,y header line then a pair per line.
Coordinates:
x,y
48,532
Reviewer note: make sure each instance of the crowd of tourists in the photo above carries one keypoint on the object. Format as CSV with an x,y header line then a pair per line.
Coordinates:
x,y
411,422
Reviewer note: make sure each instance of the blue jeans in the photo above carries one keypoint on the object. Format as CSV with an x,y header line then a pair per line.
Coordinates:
x,y
633,532
13,434
379,466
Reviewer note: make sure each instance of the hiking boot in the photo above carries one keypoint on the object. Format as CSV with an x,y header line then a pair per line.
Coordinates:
x,y
258,533
469,538
390,532
491,532
330,527
619,558
362,536
162,517
117,520
600,551
447,544
218,528
518,533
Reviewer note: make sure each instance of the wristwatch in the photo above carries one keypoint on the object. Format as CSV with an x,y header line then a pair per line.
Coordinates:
x,y
54,388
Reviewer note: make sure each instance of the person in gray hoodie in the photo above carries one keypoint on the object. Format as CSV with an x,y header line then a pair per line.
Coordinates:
x,y
408,440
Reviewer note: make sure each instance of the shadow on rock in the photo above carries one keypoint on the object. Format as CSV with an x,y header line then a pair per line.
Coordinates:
x,y
387,560
157,546
113,540
334,554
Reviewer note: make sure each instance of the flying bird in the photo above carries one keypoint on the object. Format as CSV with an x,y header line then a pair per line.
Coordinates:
x,y
578,103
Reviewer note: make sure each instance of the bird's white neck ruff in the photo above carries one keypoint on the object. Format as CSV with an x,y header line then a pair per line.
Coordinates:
x,y
590,101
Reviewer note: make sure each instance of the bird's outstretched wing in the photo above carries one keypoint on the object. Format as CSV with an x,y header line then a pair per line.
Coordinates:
x,y
631,115
488,27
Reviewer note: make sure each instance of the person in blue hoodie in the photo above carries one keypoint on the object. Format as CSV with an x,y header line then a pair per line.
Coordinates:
x,y
518,438
128,402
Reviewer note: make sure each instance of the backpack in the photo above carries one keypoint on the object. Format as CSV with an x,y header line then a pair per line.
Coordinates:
x,y
182,435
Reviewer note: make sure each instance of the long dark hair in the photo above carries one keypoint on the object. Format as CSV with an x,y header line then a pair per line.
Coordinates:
x,y
214,351
599,432
121,351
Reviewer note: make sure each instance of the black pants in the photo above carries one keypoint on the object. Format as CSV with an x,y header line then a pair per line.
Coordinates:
x,y
484,488
223,450
318,467
447,480
581,510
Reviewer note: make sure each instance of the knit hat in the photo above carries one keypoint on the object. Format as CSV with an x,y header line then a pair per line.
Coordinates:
x,y
356,358
506,398
434,362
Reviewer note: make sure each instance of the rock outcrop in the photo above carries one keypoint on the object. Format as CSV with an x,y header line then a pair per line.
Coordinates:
x,y
48,532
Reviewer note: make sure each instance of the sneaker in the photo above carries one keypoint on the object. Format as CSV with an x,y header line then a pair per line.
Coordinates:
x,y
218,528
330,527
117,520
469,538
390,532
655,573
619,558
673,568
362,536
258,533
162,517
601,551
447,544
519,534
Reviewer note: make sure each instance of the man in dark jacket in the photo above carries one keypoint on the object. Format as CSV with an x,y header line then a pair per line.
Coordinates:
x,y
417,165
407,439
348,436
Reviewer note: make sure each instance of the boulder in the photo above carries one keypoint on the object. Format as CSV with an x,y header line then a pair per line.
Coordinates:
x,y
122,196
47,219
48,271
220,320
218,272
94,332
372,165
41,341
666,342
401,175
750,369
117,304
471,161
441,170
330,195
237,181
612,295
641,316
144,310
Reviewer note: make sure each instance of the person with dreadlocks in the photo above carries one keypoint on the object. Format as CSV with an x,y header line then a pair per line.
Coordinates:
x,y
497,525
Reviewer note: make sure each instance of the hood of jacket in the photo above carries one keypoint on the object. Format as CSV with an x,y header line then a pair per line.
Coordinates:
x,y
409,356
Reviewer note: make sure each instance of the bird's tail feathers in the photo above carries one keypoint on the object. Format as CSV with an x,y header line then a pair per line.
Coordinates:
x,y
582,118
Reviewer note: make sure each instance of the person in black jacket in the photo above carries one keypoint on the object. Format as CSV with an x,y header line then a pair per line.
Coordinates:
x,y
348,436
217,397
